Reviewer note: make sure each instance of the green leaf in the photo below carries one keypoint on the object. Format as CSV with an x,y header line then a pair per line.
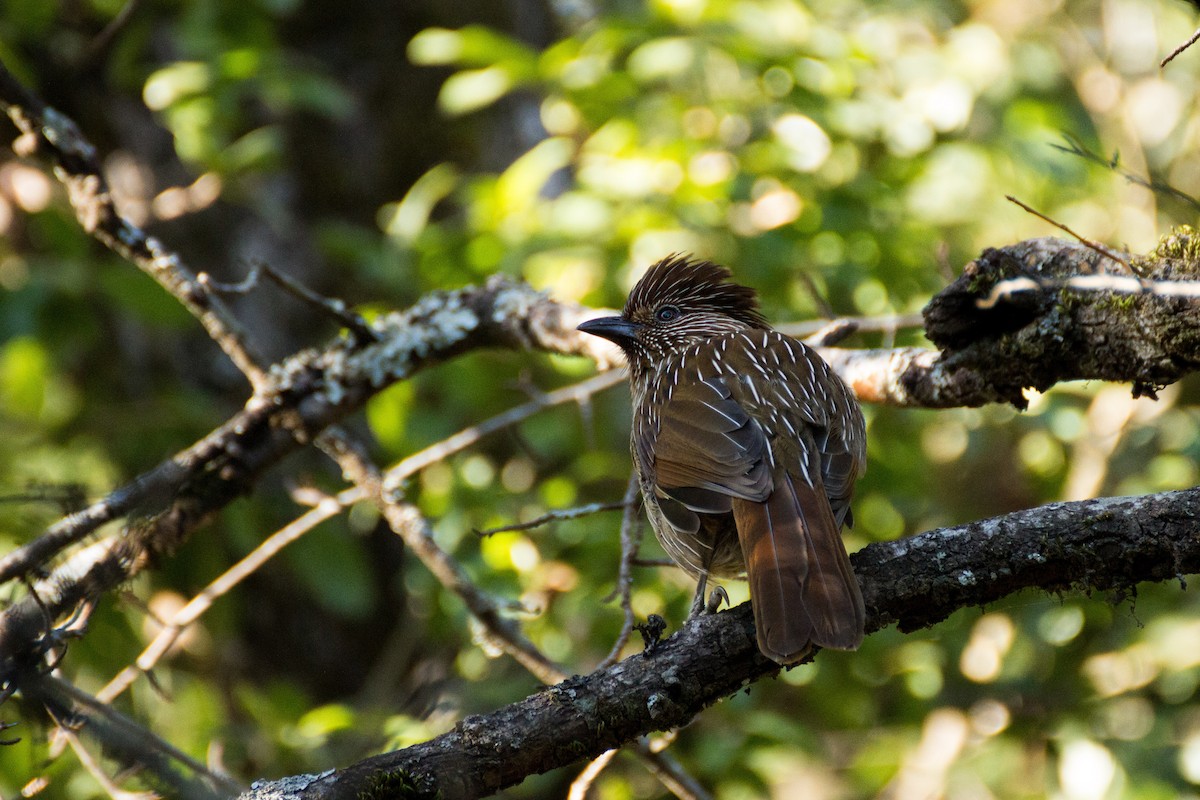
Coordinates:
x,y
472,46
474,89
405,220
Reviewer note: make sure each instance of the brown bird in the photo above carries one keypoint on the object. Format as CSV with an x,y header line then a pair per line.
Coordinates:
x,y
747,446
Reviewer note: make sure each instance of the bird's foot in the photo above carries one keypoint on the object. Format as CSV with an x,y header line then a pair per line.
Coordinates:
x,y
715,598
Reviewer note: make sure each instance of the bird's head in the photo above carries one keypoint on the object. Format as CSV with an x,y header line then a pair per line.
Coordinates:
x,y
677,303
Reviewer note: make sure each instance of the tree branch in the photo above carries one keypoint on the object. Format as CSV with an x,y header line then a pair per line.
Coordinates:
x,y
1110,543
47,132
993,346
989,354
305,394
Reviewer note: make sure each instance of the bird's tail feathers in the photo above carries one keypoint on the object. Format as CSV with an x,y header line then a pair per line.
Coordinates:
x,y
802,587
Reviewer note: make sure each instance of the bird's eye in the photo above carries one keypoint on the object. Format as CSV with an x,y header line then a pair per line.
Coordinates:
x,y
666,313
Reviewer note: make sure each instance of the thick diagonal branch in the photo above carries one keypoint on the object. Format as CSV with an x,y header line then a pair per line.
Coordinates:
x,y
1111,543
305,394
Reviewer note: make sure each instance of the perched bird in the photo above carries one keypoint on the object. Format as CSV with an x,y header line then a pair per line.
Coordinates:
x,y
747,446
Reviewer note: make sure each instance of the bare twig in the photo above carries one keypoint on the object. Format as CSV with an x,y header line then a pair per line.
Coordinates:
x,y
556,515
1111,413
408,522
68,497
103,40
631,541
575,393
887,324
1099,248
818,299
652,562
155,485
126,741
1195,37
96,771
200,604
671,773
1076,148
332,307
583,782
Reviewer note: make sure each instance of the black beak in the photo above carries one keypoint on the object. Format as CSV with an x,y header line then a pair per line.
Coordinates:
x,y
616,329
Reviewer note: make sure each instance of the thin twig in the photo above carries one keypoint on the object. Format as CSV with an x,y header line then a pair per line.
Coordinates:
x,y
103,40
583,781
201,603
631,542
556,515
888,324
408,522
1076,148
242,287
1088,243
97,772
47,131
162,481
1195,37
68,497
652,562
822,304
575,393
135,745
4,726
331,307
671,773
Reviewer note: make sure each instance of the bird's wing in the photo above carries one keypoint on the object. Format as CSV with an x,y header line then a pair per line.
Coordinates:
x,y
797,395
708,449
775,438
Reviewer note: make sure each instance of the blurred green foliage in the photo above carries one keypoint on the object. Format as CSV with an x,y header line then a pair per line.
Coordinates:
x,y
842,156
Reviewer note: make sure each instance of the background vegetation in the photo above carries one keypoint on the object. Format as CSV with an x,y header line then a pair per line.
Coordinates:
x,y
846,158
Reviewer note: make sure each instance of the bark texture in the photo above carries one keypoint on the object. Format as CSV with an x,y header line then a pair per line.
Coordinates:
x,y
1094,545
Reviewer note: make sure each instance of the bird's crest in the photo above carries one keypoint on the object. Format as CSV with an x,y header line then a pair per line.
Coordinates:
x,y
682,281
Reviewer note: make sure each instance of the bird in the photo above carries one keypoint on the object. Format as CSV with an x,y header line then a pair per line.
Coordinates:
x,y
747,446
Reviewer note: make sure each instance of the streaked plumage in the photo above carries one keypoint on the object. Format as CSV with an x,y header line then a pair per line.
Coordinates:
x,y
747,446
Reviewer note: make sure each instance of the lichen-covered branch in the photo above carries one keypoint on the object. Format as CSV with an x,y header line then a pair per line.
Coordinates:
x,y
1111,543
1040,312
305,394
996,344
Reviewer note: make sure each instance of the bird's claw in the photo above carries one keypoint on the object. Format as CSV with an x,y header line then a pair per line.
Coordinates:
x,y
715,598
